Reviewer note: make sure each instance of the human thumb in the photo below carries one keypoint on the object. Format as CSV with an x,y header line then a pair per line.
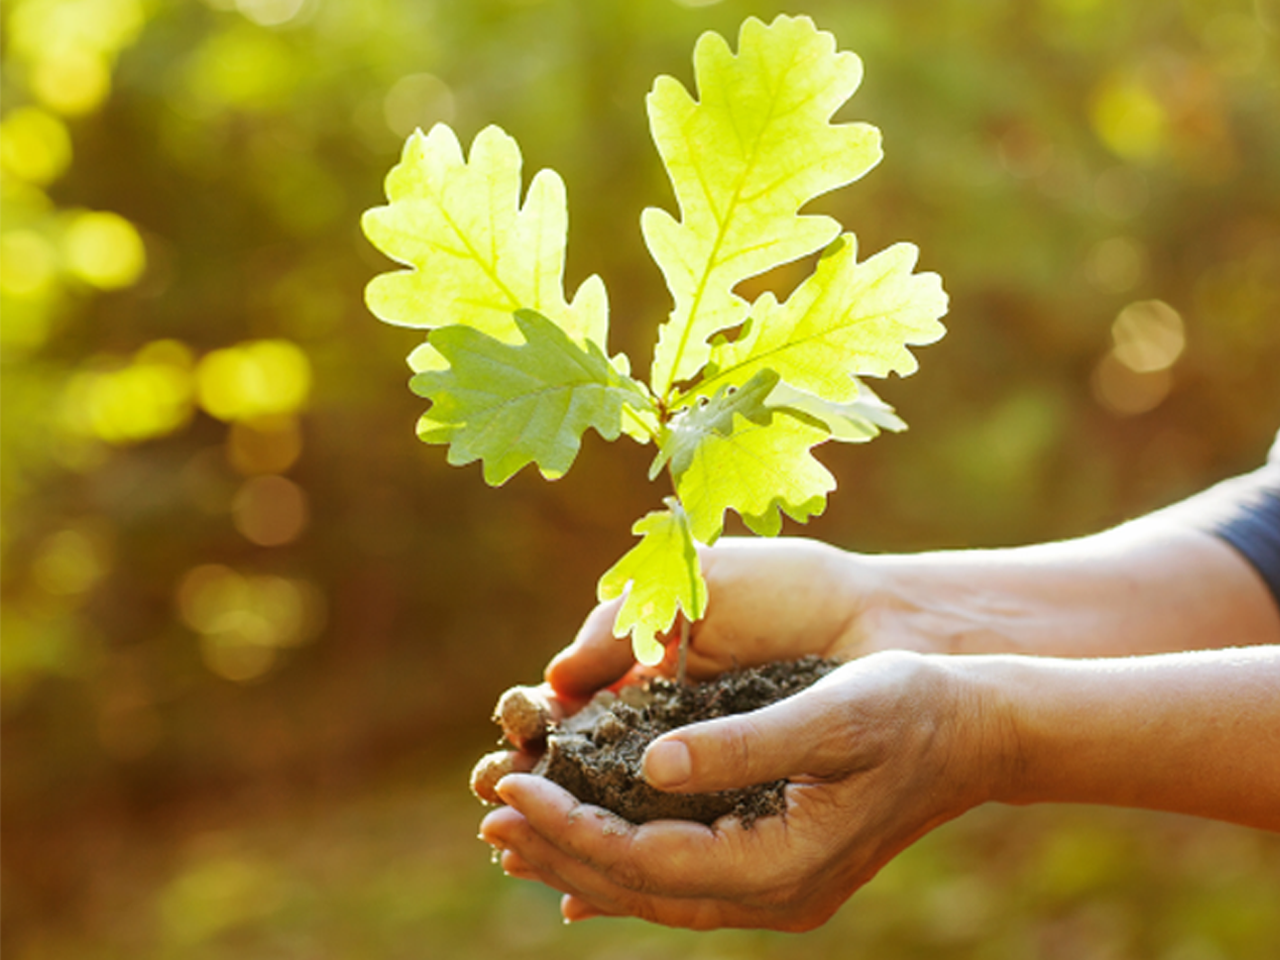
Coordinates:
x,y
786,739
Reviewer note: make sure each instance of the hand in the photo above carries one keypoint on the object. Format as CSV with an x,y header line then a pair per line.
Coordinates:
x,y
769,600
879,752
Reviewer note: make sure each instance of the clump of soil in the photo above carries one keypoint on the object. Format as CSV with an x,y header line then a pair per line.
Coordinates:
x,y
596,753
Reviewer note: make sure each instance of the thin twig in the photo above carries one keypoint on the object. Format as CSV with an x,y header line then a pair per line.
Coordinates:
x,y
682,659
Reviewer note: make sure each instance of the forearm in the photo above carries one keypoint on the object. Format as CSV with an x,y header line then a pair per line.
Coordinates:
x,y
1195,733
1146,587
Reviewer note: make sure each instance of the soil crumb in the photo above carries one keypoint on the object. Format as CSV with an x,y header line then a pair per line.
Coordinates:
x,y
596,753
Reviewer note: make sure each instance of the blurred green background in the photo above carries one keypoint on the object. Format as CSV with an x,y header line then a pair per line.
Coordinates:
x,y
252,629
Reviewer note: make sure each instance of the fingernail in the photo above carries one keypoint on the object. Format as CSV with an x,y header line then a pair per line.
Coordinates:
x,y
667,764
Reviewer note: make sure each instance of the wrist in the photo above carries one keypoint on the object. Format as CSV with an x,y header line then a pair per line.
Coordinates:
x,y
1176,732
982,749
940,603
1143,588
934,717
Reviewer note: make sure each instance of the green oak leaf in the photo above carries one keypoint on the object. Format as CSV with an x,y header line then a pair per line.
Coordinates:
x,y
854,422
475,254
513,404
677,442
758,470
659,577
769,523
846,319
743,159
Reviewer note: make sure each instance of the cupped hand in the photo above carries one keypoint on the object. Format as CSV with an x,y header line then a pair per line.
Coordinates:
x,y
769,600
878,753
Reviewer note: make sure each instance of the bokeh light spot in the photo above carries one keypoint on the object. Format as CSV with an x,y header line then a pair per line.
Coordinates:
x,y
1116,264
147,398
1129,119
245,620
104,250
34,145
1126,392
244,67
1149,336
230,658
73,81
28,264
270,13
254,379
37,641
70,47
270,444
419,100
206,593
69,562
270,511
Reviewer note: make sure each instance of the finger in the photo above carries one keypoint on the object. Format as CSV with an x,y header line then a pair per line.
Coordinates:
x,y
492,767
575,909
536,857
672,857
796,737
594,660
514,865
789,870
528,855
574,905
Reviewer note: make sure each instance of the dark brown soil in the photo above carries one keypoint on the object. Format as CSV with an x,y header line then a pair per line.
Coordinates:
x,y
596,754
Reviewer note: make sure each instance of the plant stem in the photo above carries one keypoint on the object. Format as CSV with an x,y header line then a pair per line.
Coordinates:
x,y
683,657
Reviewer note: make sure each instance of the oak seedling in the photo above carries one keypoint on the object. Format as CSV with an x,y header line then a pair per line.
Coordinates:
x,y
739,392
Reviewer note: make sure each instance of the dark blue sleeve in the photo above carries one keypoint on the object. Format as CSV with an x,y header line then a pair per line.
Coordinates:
x,y
1245,512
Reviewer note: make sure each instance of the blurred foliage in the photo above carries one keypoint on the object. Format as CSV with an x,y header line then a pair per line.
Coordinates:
x,y
242,606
